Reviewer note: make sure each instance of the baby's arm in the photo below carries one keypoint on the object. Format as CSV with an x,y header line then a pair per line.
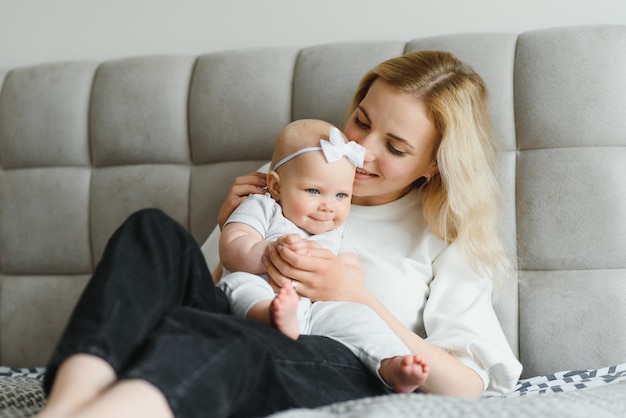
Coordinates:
x,y
242,248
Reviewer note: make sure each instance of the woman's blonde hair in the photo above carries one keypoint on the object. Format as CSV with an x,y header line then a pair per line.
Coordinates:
x,y
461,203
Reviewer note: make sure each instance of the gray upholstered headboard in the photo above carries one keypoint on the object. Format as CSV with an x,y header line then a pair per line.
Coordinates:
x,y
83,144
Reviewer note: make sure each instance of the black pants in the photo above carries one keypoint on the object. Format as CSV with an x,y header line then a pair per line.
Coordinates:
x,y
152,312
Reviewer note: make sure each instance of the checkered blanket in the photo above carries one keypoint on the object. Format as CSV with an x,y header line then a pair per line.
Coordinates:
x,y
21,396
570,380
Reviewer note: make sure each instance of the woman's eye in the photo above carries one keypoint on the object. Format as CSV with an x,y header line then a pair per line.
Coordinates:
x,y
313,191
395,151
359,123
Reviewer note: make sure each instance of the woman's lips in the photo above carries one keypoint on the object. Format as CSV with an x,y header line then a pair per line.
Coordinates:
x,y
363,174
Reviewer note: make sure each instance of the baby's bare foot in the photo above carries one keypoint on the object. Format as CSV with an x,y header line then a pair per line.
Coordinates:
x,y
284,312
404,373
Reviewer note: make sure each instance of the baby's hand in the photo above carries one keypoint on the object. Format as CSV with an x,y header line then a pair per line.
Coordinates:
x,y
295,243
292,241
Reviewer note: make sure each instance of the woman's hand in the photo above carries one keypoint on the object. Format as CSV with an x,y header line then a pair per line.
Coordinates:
x,y
320,274
242,186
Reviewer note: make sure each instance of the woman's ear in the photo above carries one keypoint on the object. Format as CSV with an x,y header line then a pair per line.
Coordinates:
x,y
433,170
273,185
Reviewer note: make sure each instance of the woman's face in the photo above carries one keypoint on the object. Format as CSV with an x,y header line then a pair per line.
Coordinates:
x,y
400,140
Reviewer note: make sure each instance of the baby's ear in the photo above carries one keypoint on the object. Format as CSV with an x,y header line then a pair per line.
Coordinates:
x,y
273,185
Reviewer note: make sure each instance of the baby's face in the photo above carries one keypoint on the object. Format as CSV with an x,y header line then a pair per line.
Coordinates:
x,y
315,194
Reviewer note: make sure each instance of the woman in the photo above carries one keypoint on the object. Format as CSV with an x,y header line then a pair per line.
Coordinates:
x,y
151,337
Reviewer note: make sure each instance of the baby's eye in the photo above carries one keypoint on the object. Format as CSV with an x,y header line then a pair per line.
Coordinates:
x,y
313,191
341,195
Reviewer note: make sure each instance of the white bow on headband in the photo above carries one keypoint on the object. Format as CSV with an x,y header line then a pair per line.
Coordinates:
x,y
335,148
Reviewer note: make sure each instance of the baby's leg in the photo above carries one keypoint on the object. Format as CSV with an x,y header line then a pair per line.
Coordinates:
x,y
284,312
404,373
280,312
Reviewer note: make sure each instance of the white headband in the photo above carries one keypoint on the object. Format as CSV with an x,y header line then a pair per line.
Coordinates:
x,y
334,149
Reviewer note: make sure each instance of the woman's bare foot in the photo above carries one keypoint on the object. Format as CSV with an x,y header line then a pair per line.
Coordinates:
x,y
284,312
404,373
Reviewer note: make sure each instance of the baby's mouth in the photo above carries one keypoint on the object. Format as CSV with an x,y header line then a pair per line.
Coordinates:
x,y
322,218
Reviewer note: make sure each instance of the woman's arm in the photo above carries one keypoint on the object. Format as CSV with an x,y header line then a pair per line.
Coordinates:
x,y
324,277
351,261
448,376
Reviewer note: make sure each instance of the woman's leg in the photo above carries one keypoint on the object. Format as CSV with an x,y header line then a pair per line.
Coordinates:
x,y
196,357
217,365
150,265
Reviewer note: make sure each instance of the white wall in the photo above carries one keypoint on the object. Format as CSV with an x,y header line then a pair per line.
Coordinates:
x,y
34,31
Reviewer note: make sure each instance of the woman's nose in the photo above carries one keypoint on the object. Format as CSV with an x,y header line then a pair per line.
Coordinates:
x,y
367,142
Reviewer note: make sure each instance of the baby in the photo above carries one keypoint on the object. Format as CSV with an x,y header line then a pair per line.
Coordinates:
x,y
309,188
